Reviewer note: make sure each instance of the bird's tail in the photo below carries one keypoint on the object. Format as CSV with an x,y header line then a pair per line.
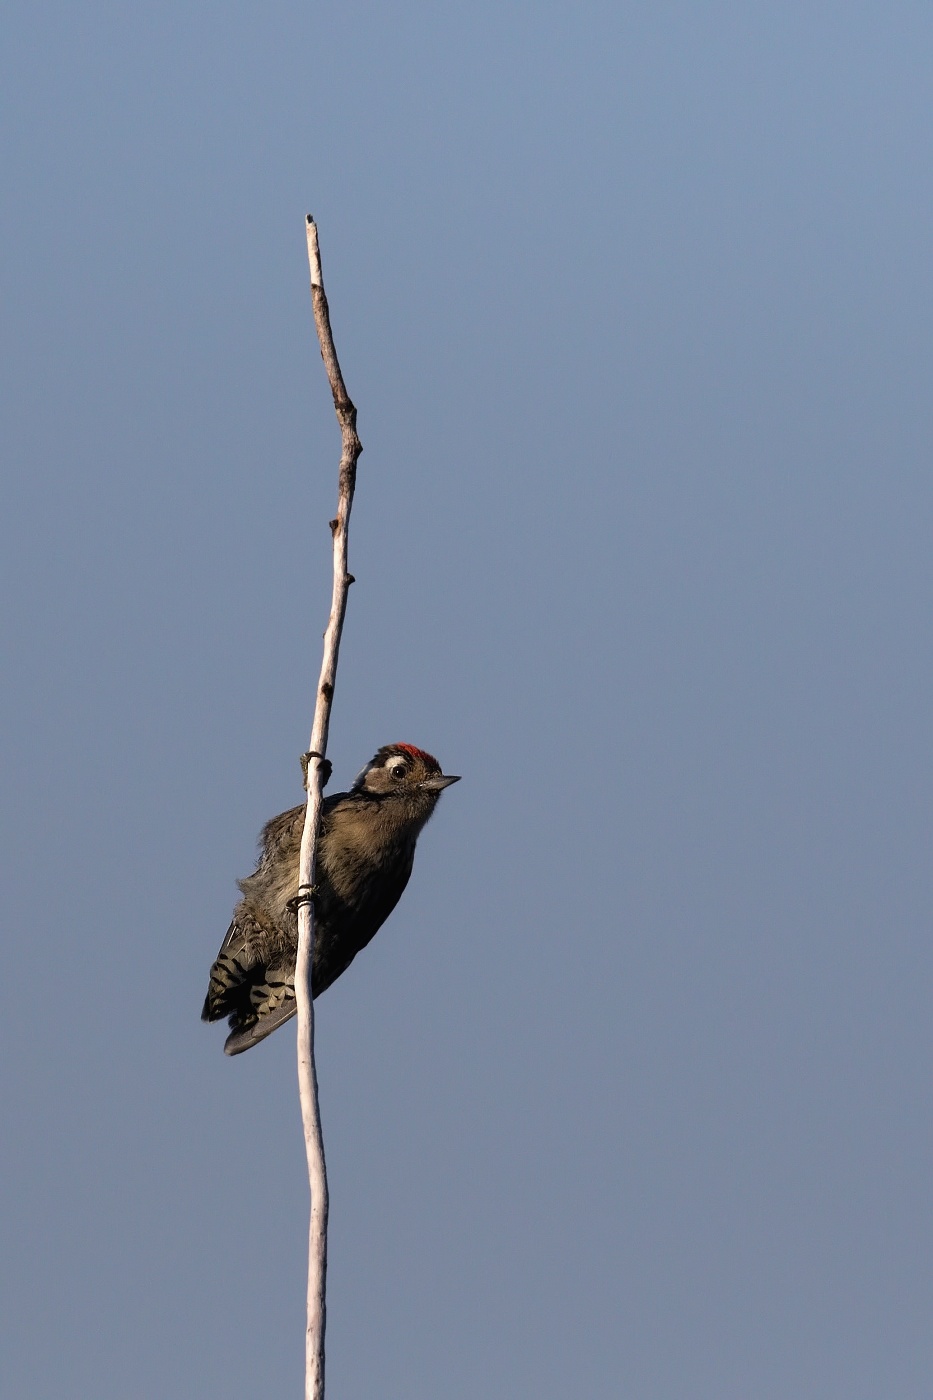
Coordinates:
x,y
273,1003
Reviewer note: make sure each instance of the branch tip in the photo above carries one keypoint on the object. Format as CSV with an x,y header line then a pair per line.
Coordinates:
x,y
314,256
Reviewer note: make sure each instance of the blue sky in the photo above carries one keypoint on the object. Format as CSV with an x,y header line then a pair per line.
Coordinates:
x,y
631,1095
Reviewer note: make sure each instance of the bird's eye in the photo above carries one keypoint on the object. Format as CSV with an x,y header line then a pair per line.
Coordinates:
x,y
398,771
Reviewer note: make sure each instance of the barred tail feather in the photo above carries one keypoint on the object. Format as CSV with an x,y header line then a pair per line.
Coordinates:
x,y
271,1003
245,1037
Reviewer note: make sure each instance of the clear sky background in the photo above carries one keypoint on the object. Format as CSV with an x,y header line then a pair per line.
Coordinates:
x,y
632,1096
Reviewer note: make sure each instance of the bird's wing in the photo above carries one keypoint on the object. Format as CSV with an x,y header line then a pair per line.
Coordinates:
x,y
230,973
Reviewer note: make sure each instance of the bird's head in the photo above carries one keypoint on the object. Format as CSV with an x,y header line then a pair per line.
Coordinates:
x,y
404,772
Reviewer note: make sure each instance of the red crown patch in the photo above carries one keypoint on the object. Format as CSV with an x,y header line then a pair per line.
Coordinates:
x,y
426,758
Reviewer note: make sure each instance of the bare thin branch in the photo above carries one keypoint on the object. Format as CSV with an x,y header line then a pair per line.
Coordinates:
x,y
307,1074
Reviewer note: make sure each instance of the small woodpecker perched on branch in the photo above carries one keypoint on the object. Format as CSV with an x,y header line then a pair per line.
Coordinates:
x,y
365,855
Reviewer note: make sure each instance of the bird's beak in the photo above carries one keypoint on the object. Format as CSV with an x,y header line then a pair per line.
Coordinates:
x,y
439,782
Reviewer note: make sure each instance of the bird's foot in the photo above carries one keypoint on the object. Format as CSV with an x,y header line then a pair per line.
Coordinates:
x,y
307,894
326,767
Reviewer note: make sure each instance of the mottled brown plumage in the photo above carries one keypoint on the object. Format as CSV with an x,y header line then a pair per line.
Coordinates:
x,y
365,855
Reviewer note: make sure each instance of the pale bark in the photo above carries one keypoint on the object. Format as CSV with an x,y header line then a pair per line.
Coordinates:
x,y
307,1074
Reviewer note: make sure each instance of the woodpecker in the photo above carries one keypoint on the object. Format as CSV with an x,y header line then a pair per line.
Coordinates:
x,y
364,858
